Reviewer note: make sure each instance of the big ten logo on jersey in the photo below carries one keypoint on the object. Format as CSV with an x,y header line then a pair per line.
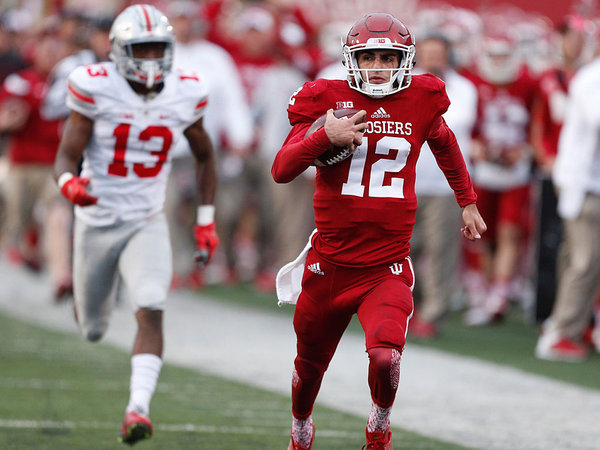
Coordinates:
x,y
96,70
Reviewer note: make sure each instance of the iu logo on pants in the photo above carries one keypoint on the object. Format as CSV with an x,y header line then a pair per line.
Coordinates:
x,y
396,268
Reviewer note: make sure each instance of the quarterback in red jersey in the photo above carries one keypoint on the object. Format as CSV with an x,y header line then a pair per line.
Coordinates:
x,y
357,260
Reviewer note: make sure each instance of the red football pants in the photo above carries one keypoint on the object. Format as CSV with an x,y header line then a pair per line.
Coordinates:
x,y
331,295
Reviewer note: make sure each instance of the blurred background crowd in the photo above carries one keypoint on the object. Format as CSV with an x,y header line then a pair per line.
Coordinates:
x,y
507,69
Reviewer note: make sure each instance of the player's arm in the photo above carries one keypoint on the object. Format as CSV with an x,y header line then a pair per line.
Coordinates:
x,y
206,182
449,158
297,152
14,113
77,133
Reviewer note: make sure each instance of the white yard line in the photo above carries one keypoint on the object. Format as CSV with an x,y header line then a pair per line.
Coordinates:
x,y
447,397
174,427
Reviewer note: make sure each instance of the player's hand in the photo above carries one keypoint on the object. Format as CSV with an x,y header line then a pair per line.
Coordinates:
x,y
74,189
345,132
14,113
474,224
206,241
511,155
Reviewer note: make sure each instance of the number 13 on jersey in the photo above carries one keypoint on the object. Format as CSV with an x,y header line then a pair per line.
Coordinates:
x,y
118,168
395,189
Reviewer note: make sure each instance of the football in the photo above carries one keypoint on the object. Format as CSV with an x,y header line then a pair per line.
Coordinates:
x,y
333,154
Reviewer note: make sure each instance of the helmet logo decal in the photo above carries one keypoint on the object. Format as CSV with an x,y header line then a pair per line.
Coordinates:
x,y
147,17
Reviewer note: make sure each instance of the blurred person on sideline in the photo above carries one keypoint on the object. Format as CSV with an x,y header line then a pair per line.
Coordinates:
x,y
501,157
547,119
11,60
434,250
228,122
576,175
95,50
125,117
258,56
357,261
34,207
286,213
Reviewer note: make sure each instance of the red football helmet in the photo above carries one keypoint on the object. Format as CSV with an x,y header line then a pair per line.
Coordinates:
x,y
379,31
498,62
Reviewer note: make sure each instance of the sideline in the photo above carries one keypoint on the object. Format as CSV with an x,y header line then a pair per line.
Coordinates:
x,y
446,397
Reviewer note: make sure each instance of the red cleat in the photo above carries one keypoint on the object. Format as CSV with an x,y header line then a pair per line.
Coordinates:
x,y
379,440
295,446
135,428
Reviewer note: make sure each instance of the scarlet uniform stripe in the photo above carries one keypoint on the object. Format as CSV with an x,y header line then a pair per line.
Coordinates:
x,y
202,104
147,16
80,96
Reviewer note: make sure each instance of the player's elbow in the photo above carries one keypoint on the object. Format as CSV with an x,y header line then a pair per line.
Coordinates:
x,y
280,176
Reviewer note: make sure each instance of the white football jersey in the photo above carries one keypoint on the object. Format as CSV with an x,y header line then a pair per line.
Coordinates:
x,y
128,156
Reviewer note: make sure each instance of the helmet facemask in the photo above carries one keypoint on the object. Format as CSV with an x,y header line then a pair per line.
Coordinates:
x,y
498,63
379,31
147,71
399,78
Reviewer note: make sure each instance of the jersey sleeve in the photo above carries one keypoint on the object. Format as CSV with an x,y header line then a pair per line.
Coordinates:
x,y
449,158
442,102
298,152
80,92
305,104
193,88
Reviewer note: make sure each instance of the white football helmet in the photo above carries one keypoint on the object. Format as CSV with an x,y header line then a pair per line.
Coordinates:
x,y
379,31
141,24
498,62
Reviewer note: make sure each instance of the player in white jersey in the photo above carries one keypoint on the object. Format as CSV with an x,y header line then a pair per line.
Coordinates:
x,y
126,116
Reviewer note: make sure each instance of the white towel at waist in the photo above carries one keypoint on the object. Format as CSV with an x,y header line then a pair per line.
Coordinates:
x,y
288,283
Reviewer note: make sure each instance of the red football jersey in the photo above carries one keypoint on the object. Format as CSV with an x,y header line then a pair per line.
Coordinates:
x,y
504,111
554,86
37,142
365,206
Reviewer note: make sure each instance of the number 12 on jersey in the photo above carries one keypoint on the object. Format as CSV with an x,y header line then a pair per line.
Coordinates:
x,y
353,186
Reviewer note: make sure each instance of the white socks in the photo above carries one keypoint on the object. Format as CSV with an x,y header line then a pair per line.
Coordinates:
x,y
302,431
145,369
379,419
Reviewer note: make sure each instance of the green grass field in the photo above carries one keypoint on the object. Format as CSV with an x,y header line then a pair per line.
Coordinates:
x,y
510,343
59,392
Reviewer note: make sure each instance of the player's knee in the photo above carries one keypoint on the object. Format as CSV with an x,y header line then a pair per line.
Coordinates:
x,y
309,370
389,333
151,297
383,359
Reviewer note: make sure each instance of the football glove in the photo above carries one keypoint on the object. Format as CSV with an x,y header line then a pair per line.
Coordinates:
x,y
74,189
206,240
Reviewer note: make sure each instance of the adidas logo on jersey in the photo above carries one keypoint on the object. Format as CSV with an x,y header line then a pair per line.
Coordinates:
x,y
316,268
380,114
